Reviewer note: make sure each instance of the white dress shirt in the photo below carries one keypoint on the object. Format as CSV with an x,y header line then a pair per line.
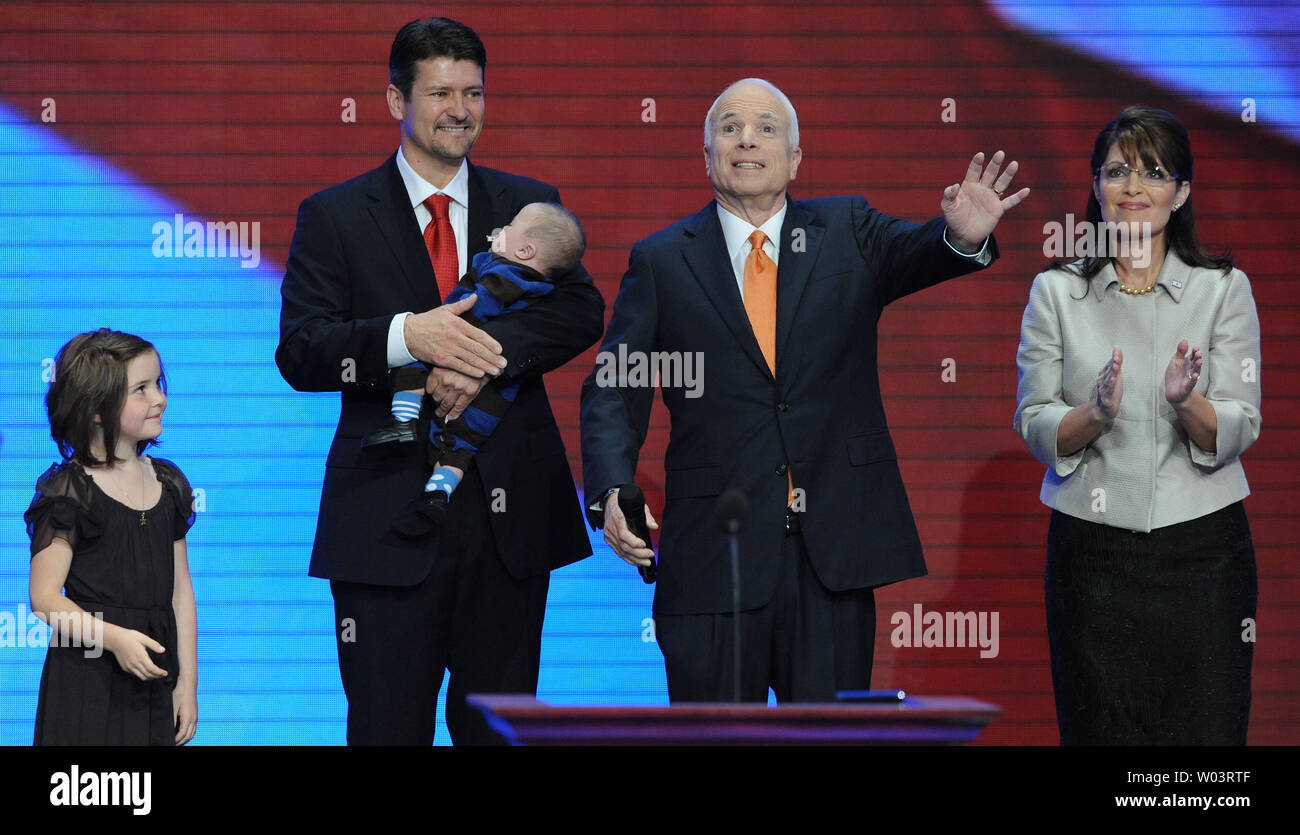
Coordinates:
x,y
736,232
418,190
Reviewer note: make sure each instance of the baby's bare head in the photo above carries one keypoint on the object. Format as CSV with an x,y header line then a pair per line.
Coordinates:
x,y
545,236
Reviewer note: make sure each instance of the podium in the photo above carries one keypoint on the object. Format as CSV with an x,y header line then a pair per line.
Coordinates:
x,y
919,720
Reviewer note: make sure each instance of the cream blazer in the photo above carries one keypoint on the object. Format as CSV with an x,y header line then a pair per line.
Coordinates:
x,y
1143,472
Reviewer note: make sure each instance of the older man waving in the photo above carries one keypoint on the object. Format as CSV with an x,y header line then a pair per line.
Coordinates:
x,y
780,297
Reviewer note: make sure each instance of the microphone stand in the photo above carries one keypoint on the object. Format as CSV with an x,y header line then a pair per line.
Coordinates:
x,y
731,511
733,541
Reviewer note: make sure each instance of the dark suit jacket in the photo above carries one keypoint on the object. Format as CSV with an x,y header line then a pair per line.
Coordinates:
x,y
840,263
358,258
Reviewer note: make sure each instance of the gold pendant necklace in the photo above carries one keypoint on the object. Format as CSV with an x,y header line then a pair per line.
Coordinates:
x,y
140,461
117,485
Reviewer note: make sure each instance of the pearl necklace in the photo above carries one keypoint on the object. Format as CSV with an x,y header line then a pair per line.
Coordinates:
x,y
1142,292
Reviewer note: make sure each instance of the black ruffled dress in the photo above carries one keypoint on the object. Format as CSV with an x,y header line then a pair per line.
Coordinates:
x,y
122,569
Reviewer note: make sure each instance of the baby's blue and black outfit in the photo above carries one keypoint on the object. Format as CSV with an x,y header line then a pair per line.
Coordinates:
x,y
502,286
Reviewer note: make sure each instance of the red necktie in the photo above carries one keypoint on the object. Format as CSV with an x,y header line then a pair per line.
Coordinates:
x,y
440,240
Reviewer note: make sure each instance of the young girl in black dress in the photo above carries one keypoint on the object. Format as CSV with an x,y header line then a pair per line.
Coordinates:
x,y
109,524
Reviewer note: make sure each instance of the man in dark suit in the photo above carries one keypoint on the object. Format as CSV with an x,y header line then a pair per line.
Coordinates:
x,y
470,599
780,299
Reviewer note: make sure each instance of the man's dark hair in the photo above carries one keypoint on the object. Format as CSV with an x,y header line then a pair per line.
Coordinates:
x,y
434,37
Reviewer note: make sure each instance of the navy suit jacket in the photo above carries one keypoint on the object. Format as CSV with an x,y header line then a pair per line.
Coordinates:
x,y
358,258
821,416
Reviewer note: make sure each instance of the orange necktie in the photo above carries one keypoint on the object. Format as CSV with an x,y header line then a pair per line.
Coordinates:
x,y
760,305
440,240
760,297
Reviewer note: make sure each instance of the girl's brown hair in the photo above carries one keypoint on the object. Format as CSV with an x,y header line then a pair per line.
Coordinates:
x,y
89,381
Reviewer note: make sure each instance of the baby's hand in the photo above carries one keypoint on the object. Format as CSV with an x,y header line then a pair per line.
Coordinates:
x,y
131,648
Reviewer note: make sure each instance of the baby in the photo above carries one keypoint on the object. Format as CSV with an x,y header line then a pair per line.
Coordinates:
x,y
543,239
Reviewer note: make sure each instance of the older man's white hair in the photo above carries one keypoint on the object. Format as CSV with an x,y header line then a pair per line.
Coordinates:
x,y
711,116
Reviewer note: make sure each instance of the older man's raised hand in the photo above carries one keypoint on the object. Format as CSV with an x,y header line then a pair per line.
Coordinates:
x,y
973,207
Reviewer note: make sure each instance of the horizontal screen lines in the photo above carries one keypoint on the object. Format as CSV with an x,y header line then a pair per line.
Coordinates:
x,y
699,4
1079,162
572,126
368,64
524,94
642,33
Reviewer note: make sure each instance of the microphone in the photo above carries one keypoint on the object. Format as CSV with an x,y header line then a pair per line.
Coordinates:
x,y
632,502
731,511
732,508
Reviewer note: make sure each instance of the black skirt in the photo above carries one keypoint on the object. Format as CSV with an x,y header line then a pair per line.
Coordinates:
x,y
1149,636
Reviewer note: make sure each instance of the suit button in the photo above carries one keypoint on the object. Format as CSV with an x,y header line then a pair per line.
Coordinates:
x,y
782,406
781,469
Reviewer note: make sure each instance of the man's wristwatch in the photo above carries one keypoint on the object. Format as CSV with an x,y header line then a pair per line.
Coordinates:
x,y
598,506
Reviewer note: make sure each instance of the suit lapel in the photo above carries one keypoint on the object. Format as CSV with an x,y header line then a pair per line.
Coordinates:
x,y
390,208
801,240
483,208
705,252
